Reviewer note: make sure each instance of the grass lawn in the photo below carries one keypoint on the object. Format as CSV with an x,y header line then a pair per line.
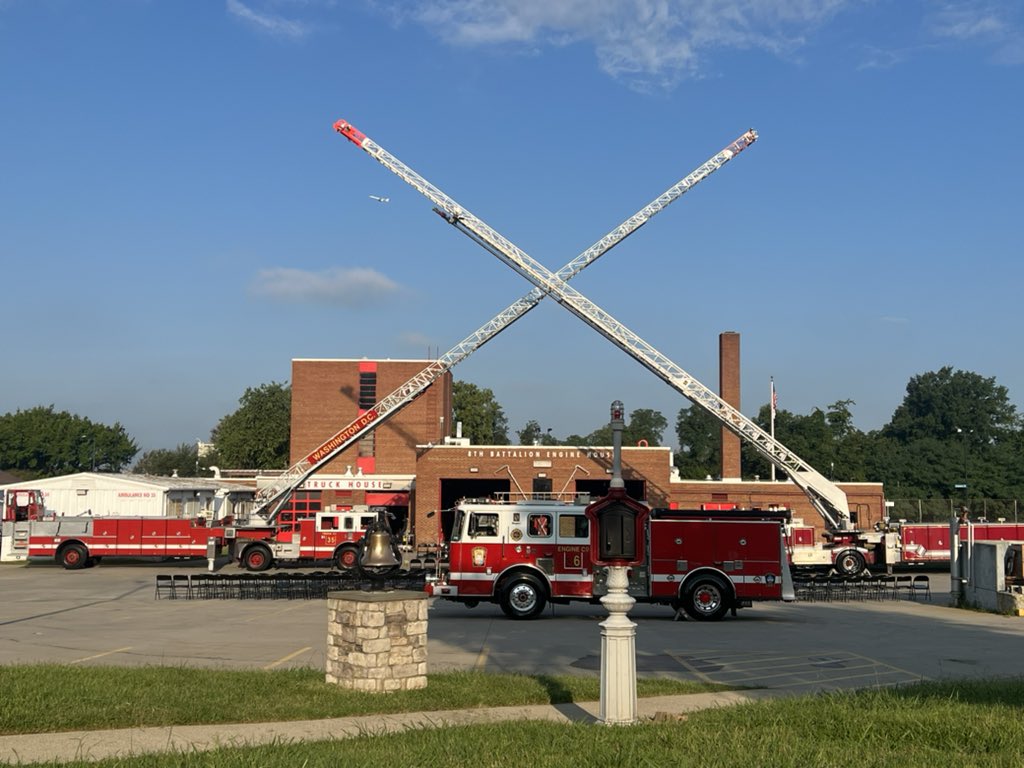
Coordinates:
x,y
49,697
952,723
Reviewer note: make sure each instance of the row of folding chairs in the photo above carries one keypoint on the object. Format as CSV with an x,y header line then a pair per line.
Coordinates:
x,y
870,587
250,586
272,586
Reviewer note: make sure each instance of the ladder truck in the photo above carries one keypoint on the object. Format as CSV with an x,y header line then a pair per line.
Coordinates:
x,y
271,499
849,548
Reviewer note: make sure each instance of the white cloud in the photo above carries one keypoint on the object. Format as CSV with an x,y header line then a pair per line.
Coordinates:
x,y
645,41
966,23
880,58
266,21
999,26
355,287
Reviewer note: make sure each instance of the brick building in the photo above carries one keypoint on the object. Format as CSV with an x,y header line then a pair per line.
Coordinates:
x,y
411,464
327,395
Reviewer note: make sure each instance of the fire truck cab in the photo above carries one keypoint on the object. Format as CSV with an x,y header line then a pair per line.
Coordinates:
x,y
20,505
333,534
523,555
19,508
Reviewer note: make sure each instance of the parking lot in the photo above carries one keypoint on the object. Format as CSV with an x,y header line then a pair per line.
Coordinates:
x,y
110,615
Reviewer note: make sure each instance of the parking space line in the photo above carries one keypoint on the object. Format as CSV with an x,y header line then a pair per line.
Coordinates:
x,y
263,616
681,660
289,657
915,675
101,655
481,658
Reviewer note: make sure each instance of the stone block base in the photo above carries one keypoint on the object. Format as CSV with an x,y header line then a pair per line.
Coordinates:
x,y
377,641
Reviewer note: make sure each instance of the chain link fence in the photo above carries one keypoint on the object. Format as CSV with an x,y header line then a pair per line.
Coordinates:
x,y
941,510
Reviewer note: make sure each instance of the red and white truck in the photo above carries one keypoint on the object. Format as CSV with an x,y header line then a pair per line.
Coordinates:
x,y
895,544
522,555
330,536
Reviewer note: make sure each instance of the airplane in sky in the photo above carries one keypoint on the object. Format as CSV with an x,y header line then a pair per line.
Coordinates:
x,y
380,199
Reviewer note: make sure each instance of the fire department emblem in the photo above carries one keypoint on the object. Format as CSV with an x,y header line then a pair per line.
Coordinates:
x,y
769,579
516,534
479,556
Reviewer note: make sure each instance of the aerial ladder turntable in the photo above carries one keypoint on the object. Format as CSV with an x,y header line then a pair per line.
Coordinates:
x,y
827,498
271,499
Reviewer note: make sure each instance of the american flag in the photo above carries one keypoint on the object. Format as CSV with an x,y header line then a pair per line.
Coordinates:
x,y
775,399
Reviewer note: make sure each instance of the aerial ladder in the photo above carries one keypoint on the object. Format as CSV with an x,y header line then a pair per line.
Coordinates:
x,y
270,499
827,498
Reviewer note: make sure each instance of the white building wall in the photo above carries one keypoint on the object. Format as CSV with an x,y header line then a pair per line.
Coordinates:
x,y
107,495
103,502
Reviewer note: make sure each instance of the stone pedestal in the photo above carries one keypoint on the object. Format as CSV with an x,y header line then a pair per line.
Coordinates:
x,y
377,641
618,652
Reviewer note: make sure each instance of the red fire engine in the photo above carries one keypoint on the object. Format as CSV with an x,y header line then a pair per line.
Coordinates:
x,y
78,542
897,543
522,555
333,535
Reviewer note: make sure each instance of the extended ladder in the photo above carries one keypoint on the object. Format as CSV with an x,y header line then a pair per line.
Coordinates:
x,y
827,498
269,500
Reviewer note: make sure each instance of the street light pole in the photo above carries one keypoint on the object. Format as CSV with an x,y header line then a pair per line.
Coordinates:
x,y
963,440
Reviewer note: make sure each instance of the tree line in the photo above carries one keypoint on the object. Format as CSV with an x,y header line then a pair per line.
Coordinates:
x,y
955,432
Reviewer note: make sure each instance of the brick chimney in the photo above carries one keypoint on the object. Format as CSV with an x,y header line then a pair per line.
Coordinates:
x,y
729,390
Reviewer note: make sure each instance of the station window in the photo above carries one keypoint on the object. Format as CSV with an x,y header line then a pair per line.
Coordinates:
x,y
367,399
367,389
302,504
539,526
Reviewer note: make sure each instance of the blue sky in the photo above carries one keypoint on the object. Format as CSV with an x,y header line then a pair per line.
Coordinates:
x,y
179,220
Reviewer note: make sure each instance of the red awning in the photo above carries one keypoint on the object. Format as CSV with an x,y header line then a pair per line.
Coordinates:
x,y
388,499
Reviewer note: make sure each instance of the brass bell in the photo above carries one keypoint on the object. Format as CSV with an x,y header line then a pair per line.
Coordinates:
x,y
378,552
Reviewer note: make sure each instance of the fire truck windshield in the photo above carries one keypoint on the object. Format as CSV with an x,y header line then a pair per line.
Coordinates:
x,y
457,522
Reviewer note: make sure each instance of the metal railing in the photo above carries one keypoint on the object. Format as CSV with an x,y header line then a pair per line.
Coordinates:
x,y
941,510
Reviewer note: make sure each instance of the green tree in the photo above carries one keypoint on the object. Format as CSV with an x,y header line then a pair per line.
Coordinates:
x,y
483,420
257,435
642,424
953,428
532,434
827,440
184,460
700,444
944,403
43,442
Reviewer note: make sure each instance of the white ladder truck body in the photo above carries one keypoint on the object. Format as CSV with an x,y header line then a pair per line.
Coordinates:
x,y
827,498
269,500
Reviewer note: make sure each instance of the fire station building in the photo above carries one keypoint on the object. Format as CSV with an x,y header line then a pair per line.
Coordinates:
x,y
414,466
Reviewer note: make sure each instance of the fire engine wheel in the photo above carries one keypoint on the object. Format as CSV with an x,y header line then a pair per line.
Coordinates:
x,y
74,557
849,563
706,599
257,558
523,597
346,558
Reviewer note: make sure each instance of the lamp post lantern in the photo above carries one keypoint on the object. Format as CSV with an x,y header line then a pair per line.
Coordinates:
x,y
617,541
